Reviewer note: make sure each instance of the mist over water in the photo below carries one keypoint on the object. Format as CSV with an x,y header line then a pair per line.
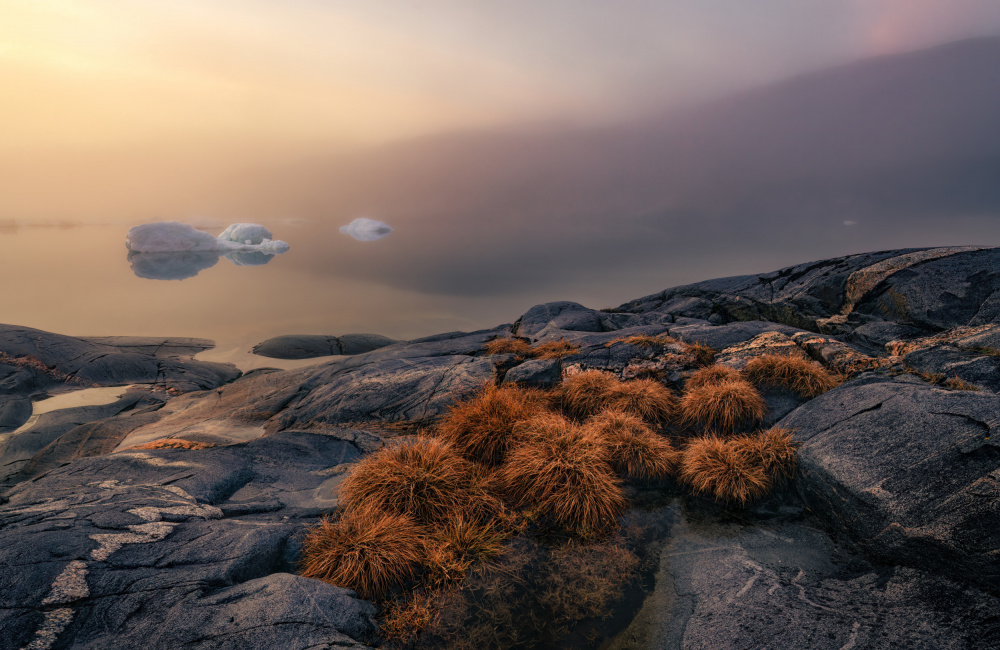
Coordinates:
x,y
468,230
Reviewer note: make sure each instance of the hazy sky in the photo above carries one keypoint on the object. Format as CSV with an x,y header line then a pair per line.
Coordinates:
x,y
118,72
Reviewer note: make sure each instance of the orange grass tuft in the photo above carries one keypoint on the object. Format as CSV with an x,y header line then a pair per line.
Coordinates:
x,y
521,348
644,398
716,467
566,478
587,393
773,450
711,375
633,449
704,355
424,478
403,620
724,407
554,349
798,375
481,429
509,345
365,550
460,545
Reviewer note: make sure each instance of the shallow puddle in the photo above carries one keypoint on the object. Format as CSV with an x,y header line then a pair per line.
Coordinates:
x,y
73,399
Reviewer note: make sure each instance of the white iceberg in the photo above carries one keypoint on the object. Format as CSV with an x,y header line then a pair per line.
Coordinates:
x,y
174,236
246,233
364,229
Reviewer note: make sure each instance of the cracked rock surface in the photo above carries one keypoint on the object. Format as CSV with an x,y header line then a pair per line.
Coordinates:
x,y
168,549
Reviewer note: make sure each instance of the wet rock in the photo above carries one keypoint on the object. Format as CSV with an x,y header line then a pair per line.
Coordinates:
x,y
102,552
907,471
722,584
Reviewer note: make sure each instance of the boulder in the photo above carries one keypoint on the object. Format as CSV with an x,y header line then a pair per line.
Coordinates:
x,y
907,471
306,346
724,583
541,373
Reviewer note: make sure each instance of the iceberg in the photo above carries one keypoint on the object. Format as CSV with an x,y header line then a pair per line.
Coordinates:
x,y
171,250
364,229
175,237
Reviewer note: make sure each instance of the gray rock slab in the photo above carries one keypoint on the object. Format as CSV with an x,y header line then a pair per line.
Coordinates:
x,y
797,295
548,321
909,472
15,410
541,373
942,293
874,335
53,359
168,548
723,583
19,448
724,336
393,389
977,369
307,346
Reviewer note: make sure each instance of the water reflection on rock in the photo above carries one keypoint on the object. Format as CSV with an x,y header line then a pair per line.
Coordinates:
x,y
181,265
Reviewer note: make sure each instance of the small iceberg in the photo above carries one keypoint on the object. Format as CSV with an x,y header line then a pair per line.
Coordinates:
x,y
170,250
364,229
175,237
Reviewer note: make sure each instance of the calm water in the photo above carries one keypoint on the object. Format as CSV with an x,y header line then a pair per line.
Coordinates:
x,y
78,281
428,276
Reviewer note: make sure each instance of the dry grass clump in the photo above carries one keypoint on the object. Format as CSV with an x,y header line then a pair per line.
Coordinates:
x,y
425,479
725,407
367,550
590,392
955,383
554,349
174,443
522,349
481,428
798,375
459,546
404,619
587,393
509,345
633,449
711,375
644,398
704,355
717,467
773,450
565,478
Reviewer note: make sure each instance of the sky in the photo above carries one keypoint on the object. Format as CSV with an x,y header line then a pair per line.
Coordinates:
x,y
89,74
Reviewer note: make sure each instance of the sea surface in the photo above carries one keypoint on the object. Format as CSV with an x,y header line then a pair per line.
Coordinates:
x,y
423,278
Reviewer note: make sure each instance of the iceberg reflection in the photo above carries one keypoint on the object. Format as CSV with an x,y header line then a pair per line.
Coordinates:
x,y
363,229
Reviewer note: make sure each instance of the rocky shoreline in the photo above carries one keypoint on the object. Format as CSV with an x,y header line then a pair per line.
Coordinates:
x,y
888,535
